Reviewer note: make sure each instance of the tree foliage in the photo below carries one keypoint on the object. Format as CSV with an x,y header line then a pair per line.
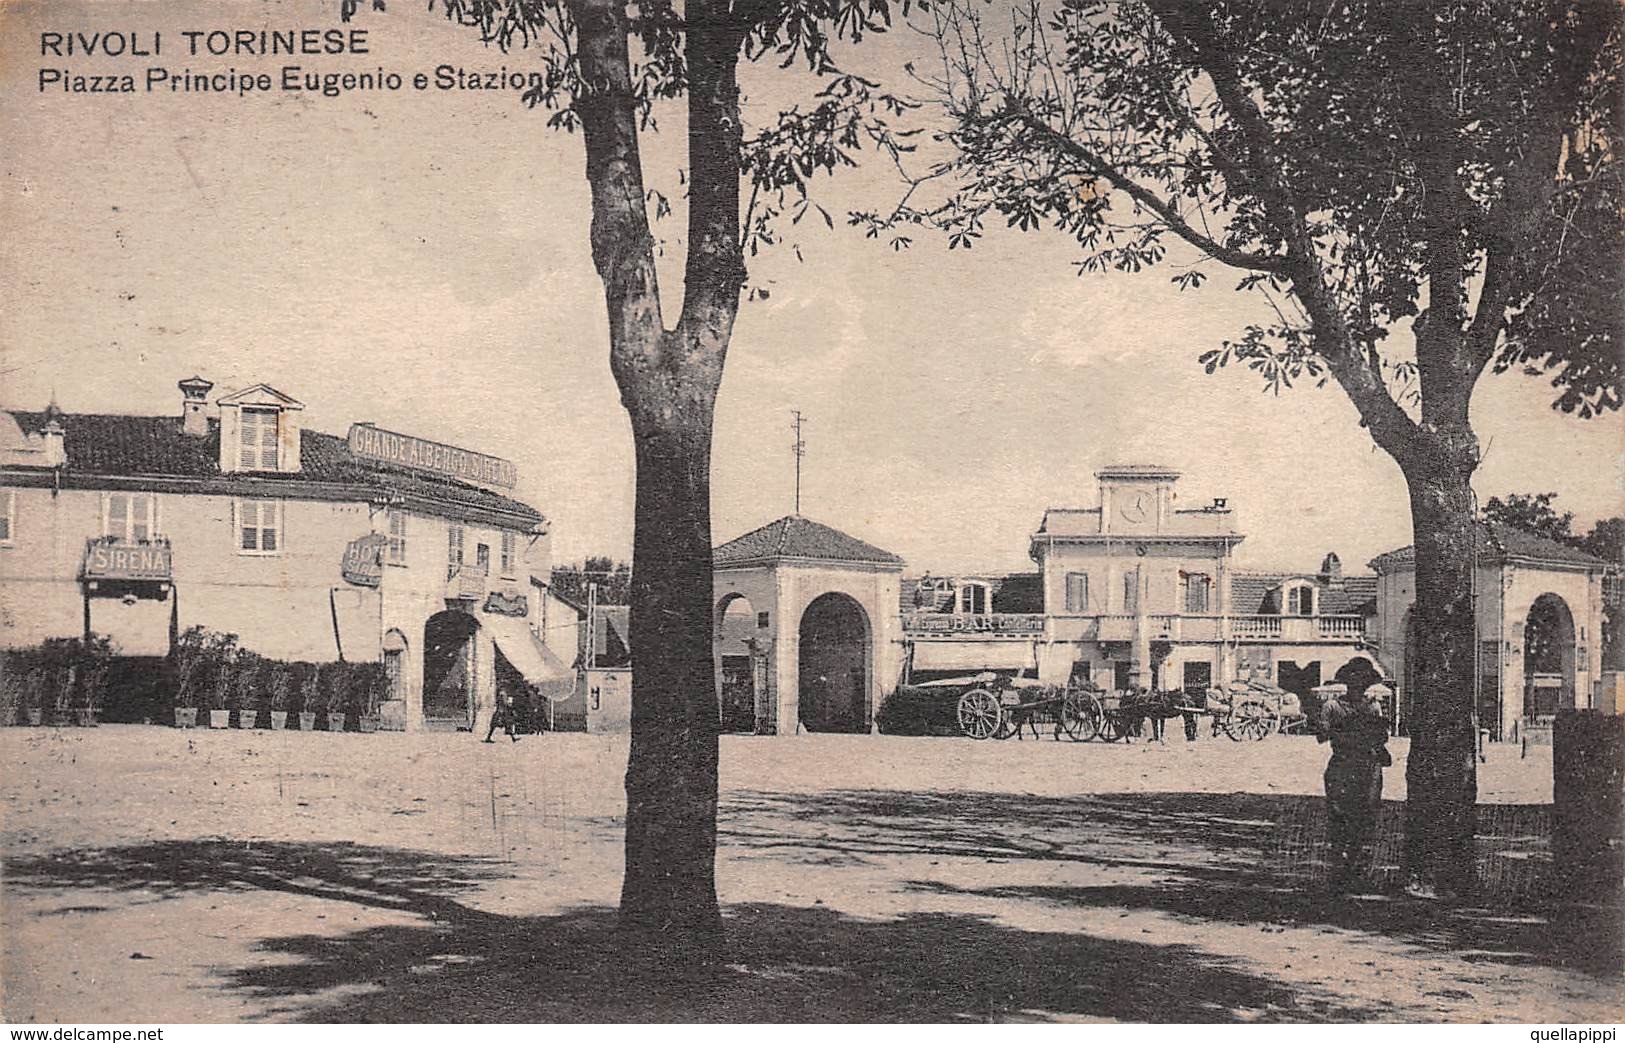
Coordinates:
x,y
1532,513
1370,169
614,579
1326,153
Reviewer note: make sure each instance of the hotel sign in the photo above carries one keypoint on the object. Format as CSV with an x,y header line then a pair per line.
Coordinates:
x,y
363,562
374,445
109,559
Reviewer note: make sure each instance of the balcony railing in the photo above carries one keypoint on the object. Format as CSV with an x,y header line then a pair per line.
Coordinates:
x,y
466,583
1120,626
1297,628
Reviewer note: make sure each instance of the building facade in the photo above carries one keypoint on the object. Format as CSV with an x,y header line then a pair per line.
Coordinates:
x,y
1142,591
232,516
1538,608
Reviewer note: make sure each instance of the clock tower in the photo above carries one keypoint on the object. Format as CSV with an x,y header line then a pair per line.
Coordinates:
x,y
1136,499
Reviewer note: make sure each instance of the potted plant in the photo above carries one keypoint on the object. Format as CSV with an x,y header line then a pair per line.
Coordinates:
x,y
60,713
186,664
368,683
246,689
335,685
281,687
34,697
307,684
222,653
11,694
95,661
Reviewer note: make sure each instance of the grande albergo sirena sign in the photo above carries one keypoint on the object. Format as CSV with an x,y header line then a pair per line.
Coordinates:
x,y
375,445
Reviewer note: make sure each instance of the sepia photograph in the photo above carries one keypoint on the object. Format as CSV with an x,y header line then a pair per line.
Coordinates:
x,y
930,512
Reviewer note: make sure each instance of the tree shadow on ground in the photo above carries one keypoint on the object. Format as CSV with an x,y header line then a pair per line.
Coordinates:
x,y
1236,857
782,964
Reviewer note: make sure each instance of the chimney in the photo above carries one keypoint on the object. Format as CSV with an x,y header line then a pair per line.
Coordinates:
x,y
1331,570
195,396
53,436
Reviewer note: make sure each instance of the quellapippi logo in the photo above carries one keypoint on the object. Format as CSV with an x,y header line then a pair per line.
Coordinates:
x,y
1568,1035
245,46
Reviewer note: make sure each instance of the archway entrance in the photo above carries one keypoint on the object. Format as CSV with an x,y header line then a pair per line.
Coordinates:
x,y
1548,657
450,670
834,666
737,644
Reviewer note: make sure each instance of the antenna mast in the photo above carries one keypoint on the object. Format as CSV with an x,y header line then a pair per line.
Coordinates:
x,y
799,449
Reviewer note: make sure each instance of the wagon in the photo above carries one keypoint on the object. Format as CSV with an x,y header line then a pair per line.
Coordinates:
x,y
1252,710
1244,711
1000,708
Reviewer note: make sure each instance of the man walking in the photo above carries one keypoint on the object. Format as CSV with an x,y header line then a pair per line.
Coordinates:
x,y
503,716
1358,732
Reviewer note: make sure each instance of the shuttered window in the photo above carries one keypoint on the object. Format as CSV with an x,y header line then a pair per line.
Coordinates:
x,y
1077,592
259,526
259,440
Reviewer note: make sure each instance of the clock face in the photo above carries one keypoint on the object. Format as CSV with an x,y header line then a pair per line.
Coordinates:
x,y
1137,507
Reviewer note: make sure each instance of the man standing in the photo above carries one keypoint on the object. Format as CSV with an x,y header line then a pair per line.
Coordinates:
x,y
1358,732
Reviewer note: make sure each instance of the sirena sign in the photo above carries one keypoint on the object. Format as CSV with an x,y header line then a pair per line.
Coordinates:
x,y
129,560
374,445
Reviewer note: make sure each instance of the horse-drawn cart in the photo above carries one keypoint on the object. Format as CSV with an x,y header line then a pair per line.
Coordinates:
x,y
995,705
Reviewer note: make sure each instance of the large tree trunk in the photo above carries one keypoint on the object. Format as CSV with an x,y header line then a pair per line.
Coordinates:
x,y
1441,774
668,381
668,896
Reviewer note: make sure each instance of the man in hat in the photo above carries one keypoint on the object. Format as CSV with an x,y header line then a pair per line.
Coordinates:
x,y
1358,731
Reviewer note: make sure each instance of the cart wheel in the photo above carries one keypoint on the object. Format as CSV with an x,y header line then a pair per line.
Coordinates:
x,y
980,715
1008,725
1111,726
1079,717
1252,720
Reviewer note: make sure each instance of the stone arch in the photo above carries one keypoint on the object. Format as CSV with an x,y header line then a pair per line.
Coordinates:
x,y
738,647
1548,656
835,664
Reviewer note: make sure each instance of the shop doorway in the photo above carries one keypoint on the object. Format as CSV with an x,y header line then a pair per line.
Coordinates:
x,y
450,671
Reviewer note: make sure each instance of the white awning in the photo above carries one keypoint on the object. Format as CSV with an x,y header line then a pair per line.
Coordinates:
x,y
535,661
974,655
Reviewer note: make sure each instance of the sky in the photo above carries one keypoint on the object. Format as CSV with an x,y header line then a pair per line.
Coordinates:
x,y
419,259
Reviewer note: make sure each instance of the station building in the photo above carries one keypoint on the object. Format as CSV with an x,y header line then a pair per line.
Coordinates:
x,y
230,514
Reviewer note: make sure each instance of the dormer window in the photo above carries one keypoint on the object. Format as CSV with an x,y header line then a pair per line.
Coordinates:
x,y
972,599
1299,600
259,440
259,431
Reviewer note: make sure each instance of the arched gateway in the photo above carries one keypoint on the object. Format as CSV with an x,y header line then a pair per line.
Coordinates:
x,y
804,622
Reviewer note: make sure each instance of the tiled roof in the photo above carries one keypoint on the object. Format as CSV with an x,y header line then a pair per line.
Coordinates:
x,y
1258,593
796,537
156,447
1497,542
